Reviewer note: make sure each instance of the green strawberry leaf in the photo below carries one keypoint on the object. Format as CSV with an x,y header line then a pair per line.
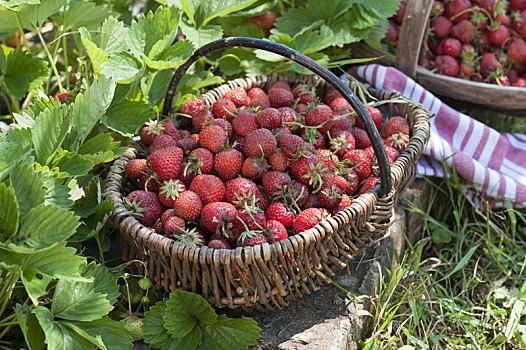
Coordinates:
x,y
127,117
328,10
366,14
92,196
83,14
376,34
95,223
72,163
28,187
56,193
8,211
203,35
294,21
184,311
123,67
258,8
171,57
90,107
51,128
230,333
158,88
22,73
34,15
44,226
33,333
208,10
101,148
24,120
86,301
112,333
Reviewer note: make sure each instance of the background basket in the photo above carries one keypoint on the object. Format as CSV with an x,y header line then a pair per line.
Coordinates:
x,y
274,273
412,39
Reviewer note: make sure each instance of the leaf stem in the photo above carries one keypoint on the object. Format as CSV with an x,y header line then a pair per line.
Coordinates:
x,y
149,86
21,30
50,58
7,289
65,45
101,253
6,320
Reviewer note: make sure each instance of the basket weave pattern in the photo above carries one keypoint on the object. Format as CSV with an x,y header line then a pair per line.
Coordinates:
x,y
272,274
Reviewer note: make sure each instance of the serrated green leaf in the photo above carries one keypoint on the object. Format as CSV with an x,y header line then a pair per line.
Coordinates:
x,y
230,333
203,35
56,193
58,336
44,226
155,334
51,128
344,33
210,9
258,8
184,311
83,14
28,187
90,107
8,211
159,86
97,56
57,262
95,223
100,148
87,204
33,333
19,137
35,284
23,72
72,163
122,67
366,14
111,333
294,20
329,10
127,117
238,26
23,120
376,34
13,154
172,57
34,15
85,301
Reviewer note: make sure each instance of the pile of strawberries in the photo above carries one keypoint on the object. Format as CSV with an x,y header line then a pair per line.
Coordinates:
x,y
256,167
478,40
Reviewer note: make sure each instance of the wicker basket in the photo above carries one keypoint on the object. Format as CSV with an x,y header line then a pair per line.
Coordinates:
x,y
412,41
274,273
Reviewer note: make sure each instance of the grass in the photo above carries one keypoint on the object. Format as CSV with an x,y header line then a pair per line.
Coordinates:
x,y
462,285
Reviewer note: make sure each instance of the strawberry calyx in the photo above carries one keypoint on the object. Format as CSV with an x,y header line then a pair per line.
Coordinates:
x,y
172,188
135,208
191,238
399,141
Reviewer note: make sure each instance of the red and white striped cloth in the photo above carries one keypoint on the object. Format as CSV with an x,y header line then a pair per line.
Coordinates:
x,y
494,163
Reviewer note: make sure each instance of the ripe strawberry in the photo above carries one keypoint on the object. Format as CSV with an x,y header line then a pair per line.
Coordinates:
x,y
464,31
480,20
392,31
255,92
280,97
331,95
330,196
148,181
218,217
396,125
279,161
308,170
400,12
187,178
261,101
213,138
276,231
501,80
209,188
518,22
219,243
456,10
249,219
398,141
314,137
63,97
450,47
251,239
339,123
273,181
262,199
499,35
227,163
291,145
281,84
253,168
149,131
375,166
174,225
192,107
287,114
238,142
166,162
308,218
339,104
162,141
277,211
170,129
376,116
169,191
487,5
260,142
442,26
239,96
330,160
241,192
345,202
202,119
359,161
361,138
320,116
520,82
341,142
518,4
369,184
145,206
348,173
468,53
447,65
135,168
330,179
168,213
467,69
517,50
226,126
245,122
304,93
200,161
224,108
269,118
191,238
437,9
188,205
264,21
503,19
133,324
489,63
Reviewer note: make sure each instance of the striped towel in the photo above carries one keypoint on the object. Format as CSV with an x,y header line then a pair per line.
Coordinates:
x,y
494,163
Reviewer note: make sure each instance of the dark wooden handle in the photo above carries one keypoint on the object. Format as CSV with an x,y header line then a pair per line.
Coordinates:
x,y
324,73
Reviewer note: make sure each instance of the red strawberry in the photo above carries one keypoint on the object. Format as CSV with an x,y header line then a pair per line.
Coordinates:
x,y
447,65
269,118
503,19
149,131
145,206
237,95
245,123
450,47
135,168
330,179
187,178
487,5
392,31
304,93
218,243
253,238
280,84
162,141
339,104
273,181
488,63
166,162
276,231
320,116
200,161
253,168
480,20
167,214
467,69
148,181
223,108
341,142
280,97
464,31
260,142
287,114
457,10
63,97
330,196
279,161
213,138
227,164
499,35
518,4
308,218
209,188
518,22
264,21
170,129
398,141
262,200
255,92
369,184
315,138
331,95
396,125
261,101
500,80
517,50
376,116
277,211
202,119
217,217
442,26
241,192
226,126
291,144
188,205
345,202
169,191
174,225
359,161
192,107
330,160
520,82
361,138
159,228
249,220
437,9
400,12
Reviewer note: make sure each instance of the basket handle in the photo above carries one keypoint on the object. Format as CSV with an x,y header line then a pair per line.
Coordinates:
x,y
325,74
